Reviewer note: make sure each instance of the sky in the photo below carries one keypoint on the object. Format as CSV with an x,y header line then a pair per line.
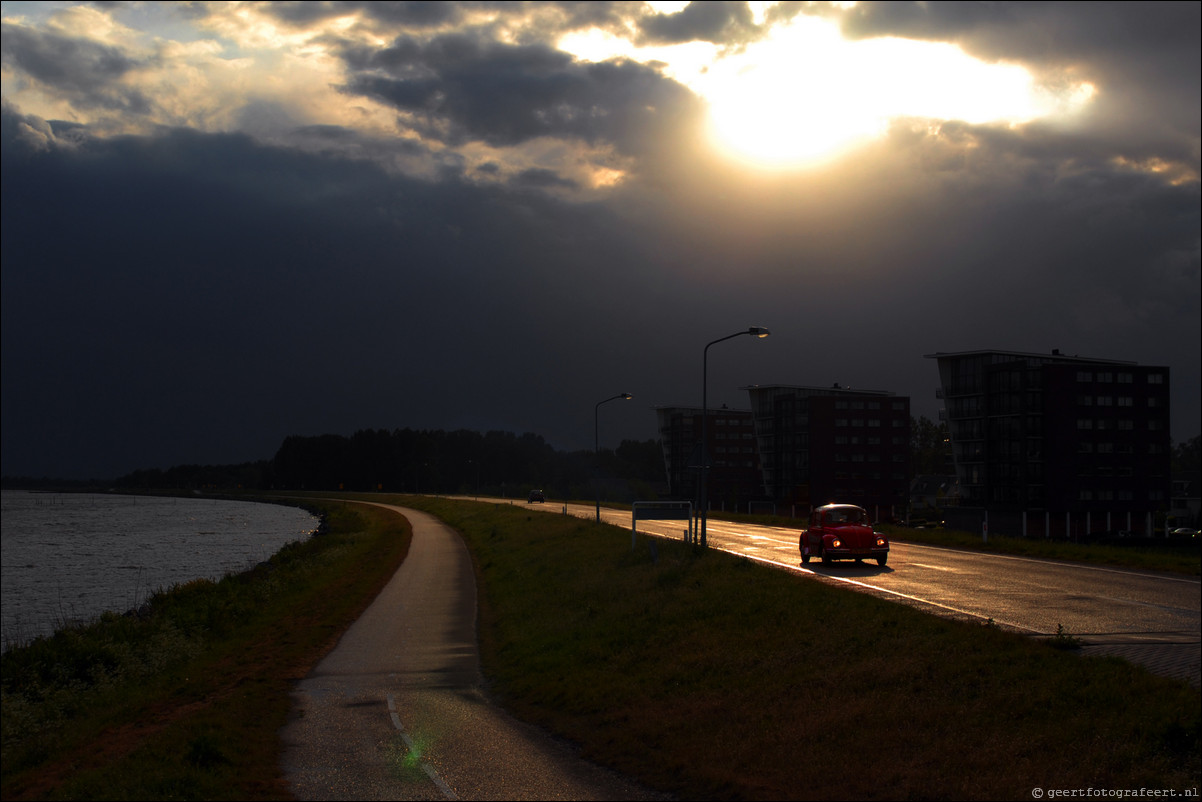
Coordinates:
x,y
228,223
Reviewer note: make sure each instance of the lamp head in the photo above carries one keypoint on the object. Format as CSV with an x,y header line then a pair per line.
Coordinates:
x,y
758,331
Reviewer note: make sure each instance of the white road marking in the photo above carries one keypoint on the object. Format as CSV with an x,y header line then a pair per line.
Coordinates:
x,y
918,599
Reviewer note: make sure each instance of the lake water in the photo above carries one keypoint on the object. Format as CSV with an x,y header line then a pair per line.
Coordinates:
x,y
70,557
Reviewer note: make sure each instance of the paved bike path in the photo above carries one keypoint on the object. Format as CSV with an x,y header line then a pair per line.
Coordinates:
x,y
397,710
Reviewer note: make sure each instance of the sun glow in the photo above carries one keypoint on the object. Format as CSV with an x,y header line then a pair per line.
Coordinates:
x,y
804,95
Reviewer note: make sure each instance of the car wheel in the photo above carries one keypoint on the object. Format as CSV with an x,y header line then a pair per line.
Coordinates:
x,y
805,559
826,558
884,558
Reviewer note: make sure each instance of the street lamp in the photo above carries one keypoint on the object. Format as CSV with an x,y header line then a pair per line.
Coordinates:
x,y
597,447
758,332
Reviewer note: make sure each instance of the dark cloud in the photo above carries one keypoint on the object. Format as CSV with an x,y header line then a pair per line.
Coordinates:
x,y
183,297
206,296
525,21
460,88
418,13
1144,57
87,73
725,23
1046,32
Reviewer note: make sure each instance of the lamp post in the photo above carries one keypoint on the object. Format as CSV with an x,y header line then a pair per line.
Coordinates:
x,y
597,447
758,332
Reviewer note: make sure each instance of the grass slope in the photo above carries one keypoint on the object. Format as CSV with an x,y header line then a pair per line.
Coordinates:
x,y
187,701
709,676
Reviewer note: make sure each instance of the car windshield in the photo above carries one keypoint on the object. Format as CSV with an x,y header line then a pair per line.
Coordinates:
x,y
849,515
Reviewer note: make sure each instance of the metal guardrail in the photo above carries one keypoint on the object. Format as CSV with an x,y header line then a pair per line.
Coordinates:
x,y
661,511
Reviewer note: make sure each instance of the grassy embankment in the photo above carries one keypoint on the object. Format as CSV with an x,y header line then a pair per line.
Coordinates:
x,y
187,701
707,676
710,676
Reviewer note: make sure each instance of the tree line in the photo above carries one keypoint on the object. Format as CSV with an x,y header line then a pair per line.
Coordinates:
x,y
422,461
494,463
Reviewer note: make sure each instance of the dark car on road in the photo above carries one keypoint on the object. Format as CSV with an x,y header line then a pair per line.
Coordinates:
x,y
536,495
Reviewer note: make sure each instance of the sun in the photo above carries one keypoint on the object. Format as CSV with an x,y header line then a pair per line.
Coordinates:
x,y
805,96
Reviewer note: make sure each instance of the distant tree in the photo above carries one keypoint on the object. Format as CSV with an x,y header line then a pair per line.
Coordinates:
x,y
408,460
1187,456
930,448
642,460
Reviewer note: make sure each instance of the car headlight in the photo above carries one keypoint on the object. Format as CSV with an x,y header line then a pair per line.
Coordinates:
x,y
880,541
836,543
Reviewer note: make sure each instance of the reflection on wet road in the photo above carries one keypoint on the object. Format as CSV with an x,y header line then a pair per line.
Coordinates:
x,y
1029,595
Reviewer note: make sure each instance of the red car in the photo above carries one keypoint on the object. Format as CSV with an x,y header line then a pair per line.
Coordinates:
x,y
842,532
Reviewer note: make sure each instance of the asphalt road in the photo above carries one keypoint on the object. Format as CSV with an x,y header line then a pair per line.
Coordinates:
x,y
398,709
1154,619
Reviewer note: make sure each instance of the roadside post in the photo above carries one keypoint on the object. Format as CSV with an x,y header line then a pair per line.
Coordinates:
x,y
659,511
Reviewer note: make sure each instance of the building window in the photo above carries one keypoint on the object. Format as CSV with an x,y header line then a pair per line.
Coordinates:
x,y
1084,376
1105,400
1084,423
1155,378
1125,378
1105,377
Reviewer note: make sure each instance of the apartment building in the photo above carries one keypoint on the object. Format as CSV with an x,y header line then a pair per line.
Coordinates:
x,y
833,444
1056,445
